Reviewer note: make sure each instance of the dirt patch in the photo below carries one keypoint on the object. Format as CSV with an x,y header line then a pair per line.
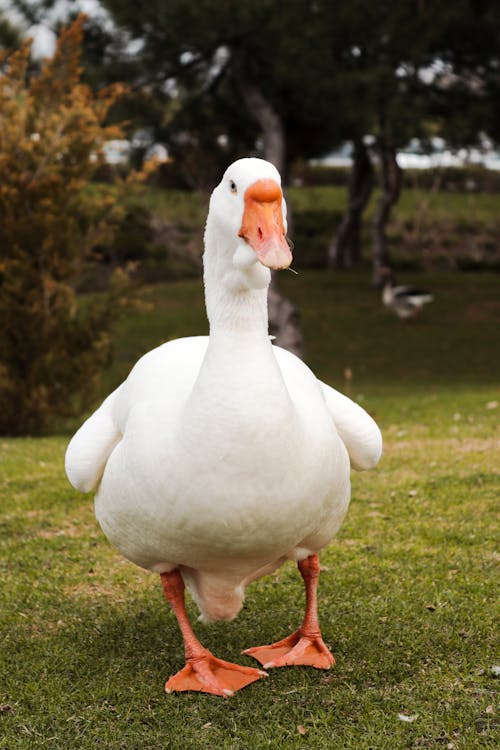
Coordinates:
x,y
99,583
70,530
467,445
93,589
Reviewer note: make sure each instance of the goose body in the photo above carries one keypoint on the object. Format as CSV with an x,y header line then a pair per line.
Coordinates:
x,y
222,456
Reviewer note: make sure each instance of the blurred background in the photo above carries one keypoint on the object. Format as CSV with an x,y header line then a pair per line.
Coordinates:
x,y
384,121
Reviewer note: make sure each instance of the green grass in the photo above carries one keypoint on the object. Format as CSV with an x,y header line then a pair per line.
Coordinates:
x,y
407,597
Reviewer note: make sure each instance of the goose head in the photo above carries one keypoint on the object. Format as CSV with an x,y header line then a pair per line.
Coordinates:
x,y
245,236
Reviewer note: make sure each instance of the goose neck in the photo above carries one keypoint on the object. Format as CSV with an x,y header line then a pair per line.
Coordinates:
x,y
236,298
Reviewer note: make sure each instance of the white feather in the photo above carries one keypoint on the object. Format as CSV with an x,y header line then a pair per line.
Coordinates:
x,y
358,430
91,446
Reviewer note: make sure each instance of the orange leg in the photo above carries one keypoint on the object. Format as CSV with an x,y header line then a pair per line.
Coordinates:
x,y
306,645
203,671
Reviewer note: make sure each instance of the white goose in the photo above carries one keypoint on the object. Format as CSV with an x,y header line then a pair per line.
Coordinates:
x,y
221,457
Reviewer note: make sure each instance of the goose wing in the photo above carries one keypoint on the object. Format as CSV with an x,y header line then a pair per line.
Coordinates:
x,y
92,445
165,373
412,294
358,431
356,428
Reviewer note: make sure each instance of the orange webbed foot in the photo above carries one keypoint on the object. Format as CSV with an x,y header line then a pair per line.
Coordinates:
x,y
207,674
299,648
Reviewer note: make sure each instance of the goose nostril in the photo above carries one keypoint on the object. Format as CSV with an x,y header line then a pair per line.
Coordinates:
x,y
259,230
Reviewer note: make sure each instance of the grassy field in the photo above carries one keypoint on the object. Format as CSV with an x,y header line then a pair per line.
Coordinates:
x,y
407,597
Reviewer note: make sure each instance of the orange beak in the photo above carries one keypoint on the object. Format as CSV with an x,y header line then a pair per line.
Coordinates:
x,y
262,224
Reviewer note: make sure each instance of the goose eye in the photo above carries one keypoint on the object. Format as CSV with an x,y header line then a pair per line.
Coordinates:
x,y
233,187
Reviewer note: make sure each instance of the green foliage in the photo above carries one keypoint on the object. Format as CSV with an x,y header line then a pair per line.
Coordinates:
x,y
51,136
329,71
291,81
9,34
133,240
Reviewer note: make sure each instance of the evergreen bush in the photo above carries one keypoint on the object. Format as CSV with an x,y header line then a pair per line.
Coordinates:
x,y
52,130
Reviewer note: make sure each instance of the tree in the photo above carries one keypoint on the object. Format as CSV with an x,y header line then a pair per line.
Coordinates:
x,y
382,48
466,85
412,69
9,34
51,218
224,79
344,250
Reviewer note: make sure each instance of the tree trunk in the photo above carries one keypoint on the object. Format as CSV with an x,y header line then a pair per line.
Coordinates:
x,y
273,132
391,181
345,248
284,321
